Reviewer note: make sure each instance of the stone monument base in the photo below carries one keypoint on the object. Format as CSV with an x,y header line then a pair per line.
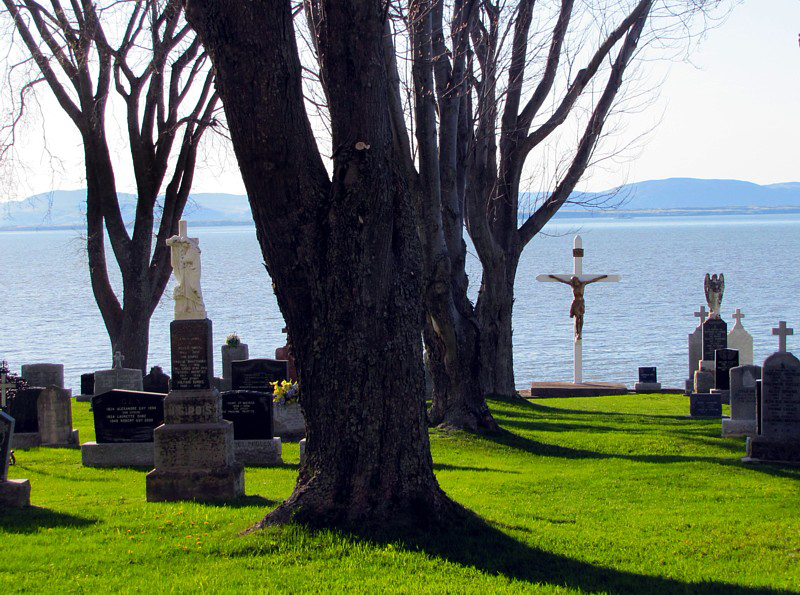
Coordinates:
x,y
544,390
760,450
73,442
174,485
258,453
734,428
647,387
725,394
15,493
117,454
26,441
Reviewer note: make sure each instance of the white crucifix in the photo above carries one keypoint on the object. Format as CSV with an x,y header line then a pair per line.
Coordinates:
x,y
738,317
578,281
782,331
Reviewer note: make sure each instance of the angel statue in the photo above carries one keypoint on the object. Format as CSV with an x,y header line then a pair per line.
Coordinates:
x,y
185,253
714,286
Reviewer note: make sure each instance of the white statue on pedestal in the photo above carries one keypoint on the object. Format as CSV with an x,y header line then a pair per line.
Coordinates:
x,y
185,259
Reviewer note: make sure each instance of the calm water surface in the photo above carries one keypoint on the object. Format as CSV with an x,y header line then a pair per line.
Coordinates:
x,y
49,314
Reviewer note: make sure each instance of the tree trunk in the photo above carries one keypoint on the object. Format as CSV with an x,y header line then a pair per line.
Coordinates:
x,y
343,254
494,311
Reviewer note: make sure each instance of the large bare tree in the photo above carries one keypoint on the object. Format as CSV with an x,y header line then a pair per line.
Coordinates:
x,y
144,53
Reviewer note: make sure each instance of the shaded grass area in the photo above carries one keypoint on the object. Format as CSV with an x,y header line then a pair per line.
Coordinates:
x,y
616,494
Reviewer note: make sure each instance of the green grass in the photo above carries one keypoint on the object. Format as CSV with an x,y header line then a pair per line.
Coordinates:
x,y
608,494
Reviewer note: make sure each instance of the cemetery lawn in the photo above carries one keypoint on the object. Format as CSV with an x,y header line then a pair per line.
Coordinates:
x,y
606,494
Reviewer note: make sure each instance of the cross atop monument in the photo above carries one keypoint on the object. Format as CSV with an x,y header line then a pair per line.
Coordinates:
x,y
118,359
578,281
738,317
782,331
701,314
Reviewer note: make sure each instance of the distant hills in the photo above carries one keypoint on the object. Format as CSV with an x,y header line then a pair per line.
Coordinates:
x,y
62,208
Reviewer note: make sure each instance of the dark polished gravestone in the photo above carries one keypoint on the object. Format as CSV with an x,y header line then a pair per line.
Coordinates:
x,y
14,493
648,374
705,405
124,422
648,380
22,407
250,412
87,383
725,360
256,374
156,381
192,356
715,336
127,416
778,438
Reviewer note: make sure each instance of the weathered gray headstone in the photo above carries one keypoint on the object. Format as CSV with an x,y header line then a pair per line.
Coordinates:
x,y
232,353
43,374
779,424
14,493
121,378
54,407
743,401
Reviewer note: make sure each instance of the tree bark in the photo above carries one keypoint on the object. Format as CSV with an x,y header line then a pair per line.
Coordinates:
x,y
343,254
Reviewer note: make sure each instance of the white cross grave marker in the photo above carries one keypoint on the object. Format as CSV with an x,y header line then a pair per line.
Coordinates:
x,y
578,281
782,333
738,317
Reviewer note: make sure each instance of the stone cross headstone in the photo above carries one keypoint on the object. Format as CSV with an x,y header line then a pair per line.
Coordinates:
x,y
5,386
778,439
54,408
743,401
43,375
118,359
695,348
782,332
578,281
741,340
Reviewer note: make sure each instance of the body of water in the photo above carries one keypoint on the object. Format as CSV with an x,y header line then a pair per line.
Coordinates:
x,y
48,312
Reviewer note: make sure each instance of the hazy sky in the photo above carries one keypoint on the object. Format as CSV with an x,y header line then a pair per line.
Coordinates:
x,y
733,112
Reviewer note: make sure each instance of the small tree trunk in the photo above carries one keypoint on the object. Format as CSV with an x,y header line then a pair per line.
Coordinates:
x,y
494,311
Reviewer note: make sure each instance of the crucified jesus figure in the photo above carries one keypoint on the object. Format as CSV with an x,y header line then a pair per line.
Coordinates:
x,y
578,307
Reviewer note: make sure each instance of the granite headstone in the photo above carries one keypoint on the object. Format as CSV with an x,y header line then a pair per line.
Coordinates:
x,y
156,381
743,401
256,374
250,412
192,357
6,432
54,408
715,336
705,405
22,407
725,360
127,416
87,383
42,375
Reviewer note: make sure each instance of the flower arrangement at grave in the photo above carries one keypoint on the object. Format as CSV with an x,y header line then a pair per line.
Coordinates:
x,y
285,392
233,340
11,383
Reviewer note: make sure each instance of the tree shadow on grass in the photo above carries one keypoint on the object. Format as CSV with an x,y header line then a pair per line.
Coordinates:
x,y
512,440
243,502
446,467
33,519
477,544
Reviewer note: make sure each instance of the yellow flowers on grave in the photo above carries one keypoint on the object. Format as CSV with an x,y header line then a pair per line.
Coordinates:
x,y
285,392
